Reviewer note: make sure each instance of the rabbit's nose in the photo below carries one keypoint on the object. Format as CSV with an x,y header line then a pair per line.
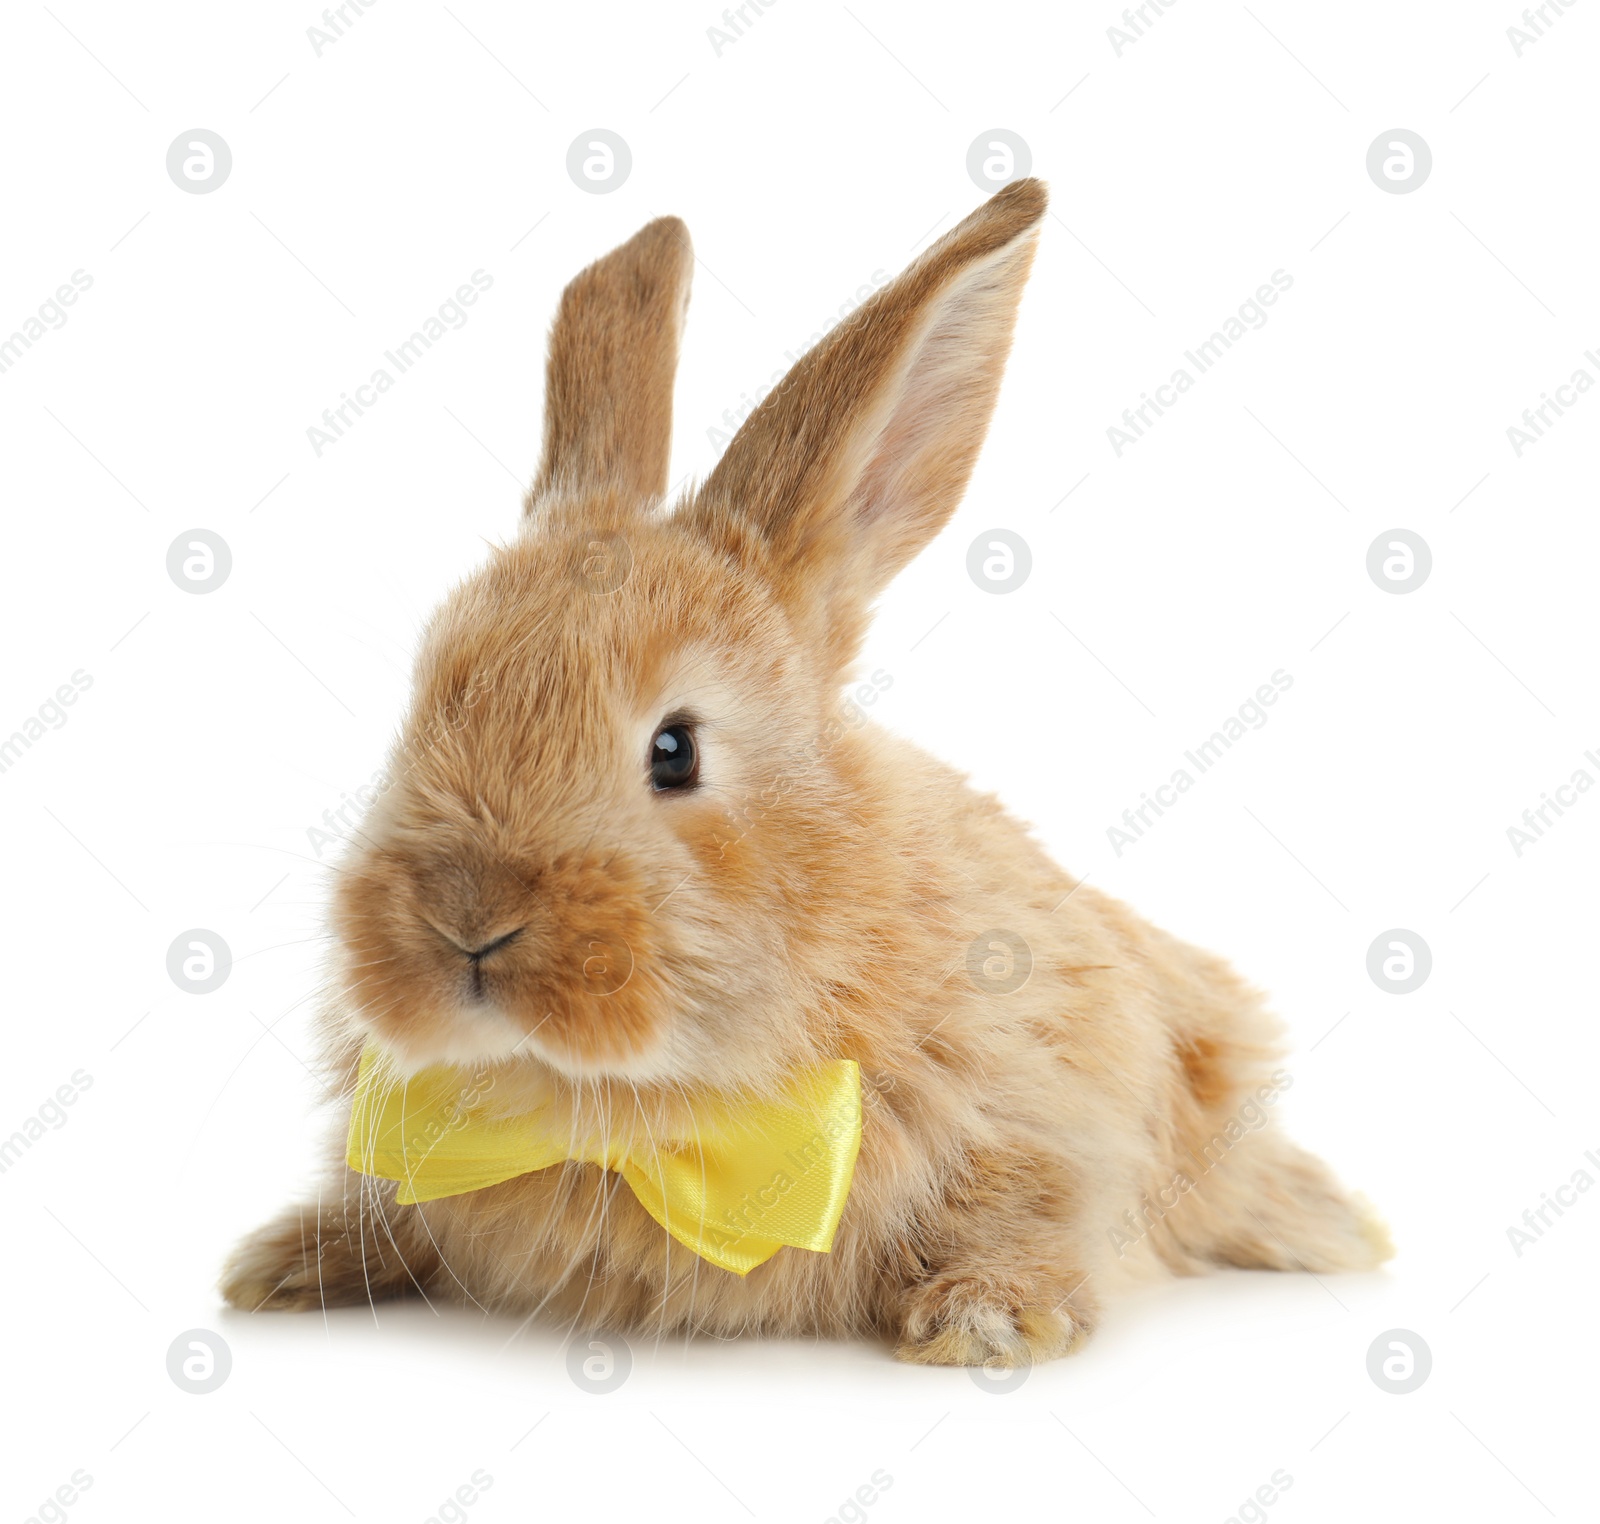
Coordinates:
x,y
470,947
477,954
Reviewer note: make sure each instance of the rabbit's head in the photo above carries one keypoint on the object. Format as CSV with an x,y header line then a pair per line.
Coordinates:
x,y
630,817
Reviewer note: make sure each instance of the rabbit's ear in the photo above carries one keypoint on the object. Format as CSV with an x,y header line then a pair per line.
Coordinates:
x,y
858,458
613,355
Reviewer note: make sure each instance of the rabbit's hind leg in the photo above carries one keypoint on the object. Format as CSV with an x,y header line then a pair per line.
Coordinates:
x,y
1267,1204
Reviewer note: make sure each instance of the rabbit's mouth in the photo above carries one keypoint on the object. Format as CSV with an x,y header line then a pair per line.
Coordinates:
x,y
454,955
468,1036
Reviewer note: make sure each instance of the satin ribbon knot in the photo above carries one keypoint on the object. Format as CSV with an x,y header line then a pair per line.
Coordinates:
x,y
756,1176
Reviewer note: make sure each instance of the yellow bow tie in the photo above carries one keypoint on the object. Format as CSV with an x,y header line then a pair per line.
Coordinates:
x,y
754,1176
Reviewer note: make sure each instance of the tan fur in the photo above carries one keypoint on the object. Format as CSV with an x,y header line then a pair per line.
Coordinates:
x,y
613,354
817,896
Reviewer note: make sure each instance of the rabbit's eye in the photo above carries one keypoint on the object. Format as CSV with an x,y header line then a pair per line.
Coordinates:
x,y
674,758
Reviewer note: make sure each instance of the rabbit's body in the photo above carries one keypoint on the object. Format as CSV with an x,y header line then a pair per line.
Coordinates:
x,y
1056,1094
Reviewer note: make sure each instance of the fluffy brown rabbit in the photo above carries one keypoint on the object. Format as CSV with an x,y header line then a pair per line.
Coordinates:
x,y
627,736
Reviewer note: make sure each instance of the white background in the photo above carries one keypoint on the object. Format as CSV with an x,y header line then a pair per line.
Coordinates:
x,y
1167,584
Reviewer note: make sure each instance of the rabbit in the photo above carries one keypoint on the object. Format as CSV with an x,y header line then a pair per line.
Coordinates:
x,y
627,734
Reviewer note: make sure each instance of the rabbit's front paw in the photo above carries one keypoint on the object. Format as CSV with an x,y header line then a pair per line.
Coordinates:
x,y
318,1258
953,1320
